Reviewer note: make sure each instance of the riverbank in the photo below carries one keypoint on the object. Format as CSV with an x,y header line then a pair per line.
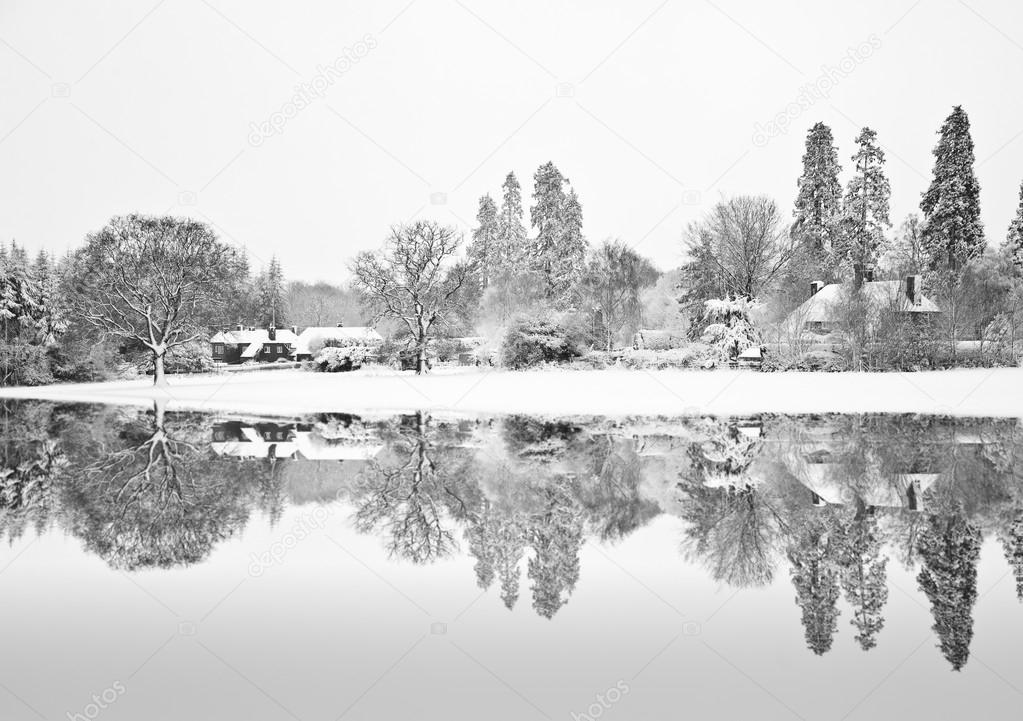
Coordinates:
x,y
964,392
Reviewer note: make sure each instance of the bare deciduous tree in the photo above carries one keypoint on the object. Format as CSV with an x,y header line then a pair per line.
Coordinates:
x,y
414,279
152,280
739,249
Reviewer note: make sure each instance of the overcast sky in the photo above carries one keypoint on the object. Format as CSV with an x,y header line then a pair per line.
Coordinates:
x,y
652,109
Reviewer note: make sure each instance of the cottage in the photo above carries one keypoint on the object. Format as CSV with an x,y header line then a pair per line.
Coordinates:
x,y
312,339
261,345
822,311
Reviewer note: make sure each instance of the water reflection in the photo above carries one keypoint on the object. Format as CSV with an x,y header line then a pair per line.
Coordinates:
x,y
823,503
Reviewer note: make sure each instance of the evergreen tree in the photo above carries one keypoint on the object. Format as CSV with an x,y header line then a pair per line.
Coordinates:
x,y
949,547
560,248
864,580
272,296
865,208
815,576
953,232
819,201
1014,238
51,318
485,249
568,264
511,231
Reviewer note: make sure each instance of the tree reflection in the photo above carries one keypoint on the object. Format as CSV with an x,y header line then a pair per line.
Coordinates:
x,y
828,498
409,499
156,501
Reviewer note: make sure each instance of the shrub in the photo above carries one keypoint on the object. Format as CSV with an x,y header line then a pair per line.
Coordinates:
x,y
24,365
335,359
532,342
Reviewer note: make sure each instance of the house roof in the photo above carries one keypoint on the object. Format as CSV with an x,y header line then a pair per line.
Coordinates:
x,y
358,334
259,335
825,304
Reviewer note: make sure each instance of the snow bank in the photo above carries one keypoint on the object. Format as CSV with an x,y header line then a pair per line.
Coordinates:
x,y
966,392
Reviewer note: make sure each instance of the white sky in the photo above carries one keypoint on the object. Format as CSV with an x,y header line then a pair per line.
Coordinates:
x,y
116,106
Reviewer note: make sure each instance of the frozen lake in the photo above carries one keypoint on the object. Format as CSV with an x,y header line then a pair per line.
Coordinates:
x,y
326,566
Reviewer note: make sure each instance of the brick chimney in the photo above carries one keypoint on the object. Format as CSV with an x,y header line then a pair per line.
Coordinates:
x,y
914,290
271,333
294,330
815,287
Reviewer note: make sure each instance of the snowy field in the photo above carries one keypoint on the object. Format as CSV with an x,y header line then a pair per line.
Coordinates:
x,y
965,392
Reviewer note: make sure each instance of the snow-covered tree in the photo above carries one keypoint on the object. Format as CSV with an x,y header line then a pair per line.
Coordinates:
x,y
1014,238
953,232
415,280
865,207
819,201
484,249
511,229
51,318
151,280
272,296
559,248
729,329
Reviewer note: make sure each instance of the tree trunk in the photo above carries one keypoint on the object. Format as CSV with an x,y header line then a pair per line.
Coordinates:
x,y
159,376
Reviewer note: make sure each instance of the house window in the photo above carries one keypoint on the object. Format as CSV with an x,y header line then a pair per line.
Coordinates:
x,y
218,348
280,349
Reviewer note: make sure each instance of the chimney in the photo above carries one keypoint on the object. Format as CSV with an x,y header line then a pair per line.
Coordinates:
x,y
294,330
340,324
913,289
271,332
815,287
240,327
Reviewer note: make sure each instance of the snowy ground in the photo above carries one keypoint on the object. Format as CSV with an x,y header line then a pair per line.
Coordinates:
x,y
967,392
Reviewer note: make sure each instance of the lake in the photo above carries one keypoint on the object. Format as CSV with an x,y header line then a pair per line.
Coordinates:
x,y
158,564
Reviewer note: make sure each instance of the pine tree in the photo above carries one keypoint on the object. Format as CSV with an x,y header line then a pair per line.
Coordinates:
x,y
815,577
949,547
953,232
1014,238
51,318
819,201
864,580
511,231
865,208
272,300
568,265
485,250
560,247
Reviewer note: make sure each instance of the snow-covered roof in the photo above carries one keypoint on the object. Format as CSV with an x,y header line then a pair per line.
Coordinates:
x,y
825,305
259,335
314,334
